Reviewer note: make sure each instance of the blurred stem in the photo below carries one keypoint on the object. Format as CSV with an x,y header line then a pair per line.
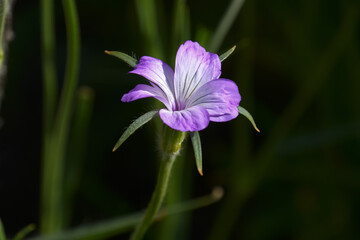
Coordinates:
x,y
53,173
48,63
77,147
3,6
224,25
157,197
147,14
49,100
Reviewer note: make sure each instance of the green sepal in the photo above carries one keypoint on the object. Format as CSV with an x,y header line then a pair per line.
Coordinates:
x,y
24,232
226,54
195,139
134,126
2,231
123,56
245,113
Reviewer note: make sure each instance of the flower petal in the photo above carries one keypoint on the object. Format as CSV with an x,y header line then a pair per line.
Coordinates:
x,y
158,73
193,68
219,97
144,91
192,119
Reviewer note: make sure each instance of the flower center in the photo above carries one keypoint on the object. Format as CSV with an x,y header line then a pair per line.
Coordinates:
x,y
179,105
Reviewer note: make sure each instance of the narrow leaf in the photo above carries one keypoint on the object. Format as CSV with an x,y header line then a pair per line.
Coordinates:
x,y
24,232
245,113
126,58
2,231
112,227
134,126
195,139
226,54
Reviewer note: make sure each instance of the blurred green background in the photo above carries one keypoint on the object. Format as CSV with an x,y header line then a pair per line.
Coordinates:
x,y
297,65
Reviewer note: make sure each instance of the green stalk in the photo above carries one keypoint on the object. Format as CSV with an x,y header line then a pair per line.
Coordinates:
x,y
157,197
171,145
53,215
3,6
49,99
225,24
48,62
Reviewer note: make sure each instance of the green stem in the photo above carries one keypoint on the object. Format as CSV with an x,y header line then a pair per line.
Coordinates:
x,y
49,100
157,197
48,62
3,6
54,165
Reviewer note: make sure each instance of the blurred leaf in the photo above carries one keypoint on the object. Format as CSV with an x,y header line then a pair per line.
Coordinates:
x,y
112,227
126,58
245,113
226,54
24,232
134,126
195,139
2,232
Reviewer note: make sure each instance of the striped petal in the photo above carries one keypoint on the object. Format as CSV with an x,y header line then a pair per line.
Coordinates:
x,y
192,119
159,74
219,97
193,68
145,91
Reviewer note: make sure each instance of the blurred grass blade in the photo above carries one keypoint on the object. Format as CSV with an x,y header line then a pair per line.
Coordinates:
x,y
3,5
180,26
134,126
126,58
195,139
109,228
149,24
245,113
225,24
24,232
2,231
226,54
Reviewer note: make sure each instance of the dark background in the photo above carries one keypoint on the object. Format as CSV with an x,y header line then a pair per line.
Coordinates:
x,y
297,65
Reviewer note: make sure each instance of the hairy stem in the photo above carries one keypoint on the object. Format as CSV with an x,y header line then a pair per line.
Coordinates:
x,y
157,197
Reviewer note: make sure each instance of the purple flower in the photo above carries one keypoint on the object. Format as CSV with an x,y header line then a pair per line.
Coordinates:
x,y
194,94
